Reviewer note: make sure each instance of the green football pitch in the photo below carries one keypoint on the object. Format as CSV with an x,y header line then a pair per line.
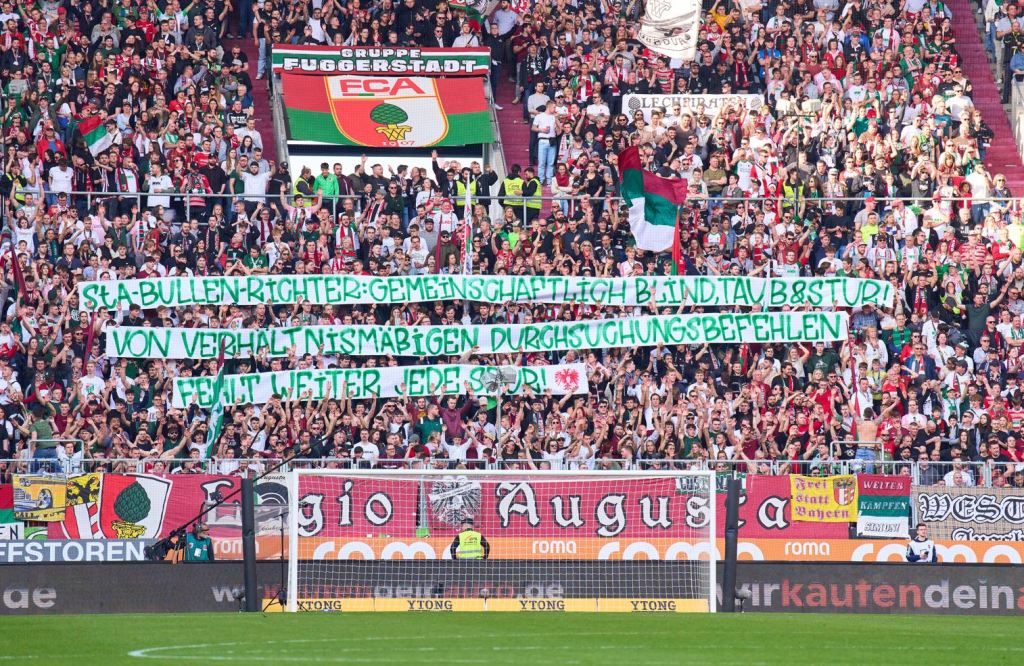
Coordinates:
x,y
509,638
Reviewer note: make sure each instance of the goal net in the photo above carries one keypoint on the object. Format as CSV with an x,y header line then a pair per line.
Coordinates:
x,y
450,540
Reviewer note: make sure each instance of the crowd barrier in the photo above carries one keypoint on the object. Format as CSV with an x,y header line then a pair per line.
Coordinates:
x,y
99,517
182,209
930,473
154,587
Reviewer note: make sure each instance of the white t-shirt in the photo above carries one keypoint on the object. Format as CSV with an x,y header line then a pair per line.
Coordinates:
x,y
545,124
91,386
61,179
160,183
255,185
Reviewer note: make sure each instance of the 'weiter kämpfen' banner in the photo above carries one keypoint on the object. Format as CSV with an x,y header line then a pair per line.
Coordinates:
x,y
150,293
765,327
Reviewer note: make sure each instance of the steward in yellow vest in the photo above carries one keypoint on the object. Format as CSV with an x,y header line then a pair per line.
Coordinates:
x,y
469,544
511,192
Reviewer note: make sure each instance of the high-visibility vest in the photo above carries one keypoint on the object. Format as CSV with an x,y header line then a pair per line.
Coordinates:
x,y
535,201
460,192
470,546
513,186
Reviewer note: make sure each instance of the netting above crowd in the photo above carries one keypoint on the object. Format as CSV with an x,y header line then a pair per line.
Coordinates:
x,y
131,150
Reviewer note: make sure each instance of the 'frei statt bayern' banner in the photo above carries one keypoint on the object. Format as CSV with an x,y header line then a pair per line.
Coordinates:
x,y
381,61
150,293
670,27
711,104
388,382
764,327
387,111
830,499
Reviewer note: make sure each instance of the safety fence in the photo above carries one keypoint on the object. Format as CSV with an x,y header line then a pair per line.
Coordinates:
x,y
180,207
968,474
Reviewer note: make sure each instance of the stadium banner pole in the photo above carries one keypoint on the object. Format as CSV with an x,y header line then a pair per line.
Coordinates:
x,y
252,601
713,540
292,587
732,519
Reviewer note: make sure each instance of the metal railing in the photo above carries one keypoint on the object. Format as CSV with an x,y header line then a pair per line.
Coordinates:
x,y
1017,112
921,473
525,209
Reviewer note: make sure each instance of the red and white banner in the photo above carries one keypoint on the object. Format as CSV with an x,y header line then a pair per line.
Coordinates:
x,y
146,506
608,508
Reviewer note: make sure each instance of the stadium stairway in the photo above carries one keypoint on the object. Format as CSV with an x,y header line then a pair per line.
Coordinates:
x,y
1003,155
260,96
515,132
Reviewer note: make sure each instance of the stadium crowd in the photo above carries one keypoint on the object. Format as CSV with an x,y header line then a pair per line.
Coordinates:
x,y
864,160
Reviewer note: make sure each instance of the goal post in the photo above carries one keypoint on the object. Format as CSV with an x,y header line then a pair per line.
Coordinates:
x,y
508,540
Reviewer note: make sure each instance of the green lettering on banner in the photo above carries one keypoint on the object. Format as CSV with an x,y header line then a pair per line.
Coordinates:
x,y
810,329
704,291
870,292
778,294
254,288
148,291
385,382
441,341
712,329
90,295
351,290
830,327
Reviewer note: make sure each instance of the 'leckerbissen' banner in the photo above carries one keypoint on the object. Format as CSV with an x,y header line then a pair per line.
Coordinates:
x,y
711,104
419,380
381,61
155,342
151,293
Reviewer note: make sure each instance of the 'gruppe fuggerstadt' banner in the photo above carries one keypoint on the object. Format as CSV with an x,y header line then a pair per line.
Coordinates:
x,y
762,327
666,291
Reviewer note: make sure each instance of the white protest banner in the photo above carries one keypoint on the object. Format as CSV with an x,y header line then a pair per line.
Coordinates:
x,y
666,291
359,340
670,27
386,382
711,104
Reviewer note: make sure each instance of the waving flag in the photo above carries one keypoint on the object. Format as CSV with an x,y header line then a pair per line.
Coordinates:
x,y
95,135
653,203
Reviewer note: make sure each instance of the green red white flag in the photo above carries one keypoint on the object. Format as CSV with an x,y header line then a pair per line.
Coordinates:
x,y
94,133
387,111
653,203
475,9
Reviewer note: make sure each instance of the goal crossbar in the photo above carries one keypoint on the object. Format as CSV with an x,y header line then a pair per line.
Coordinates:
x,y
609,540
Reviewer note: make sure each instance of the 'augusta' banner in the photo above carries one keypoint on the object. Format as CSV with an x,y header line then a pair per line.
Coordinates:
x,y
419,380
150,293
155,342
381,61
712,104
